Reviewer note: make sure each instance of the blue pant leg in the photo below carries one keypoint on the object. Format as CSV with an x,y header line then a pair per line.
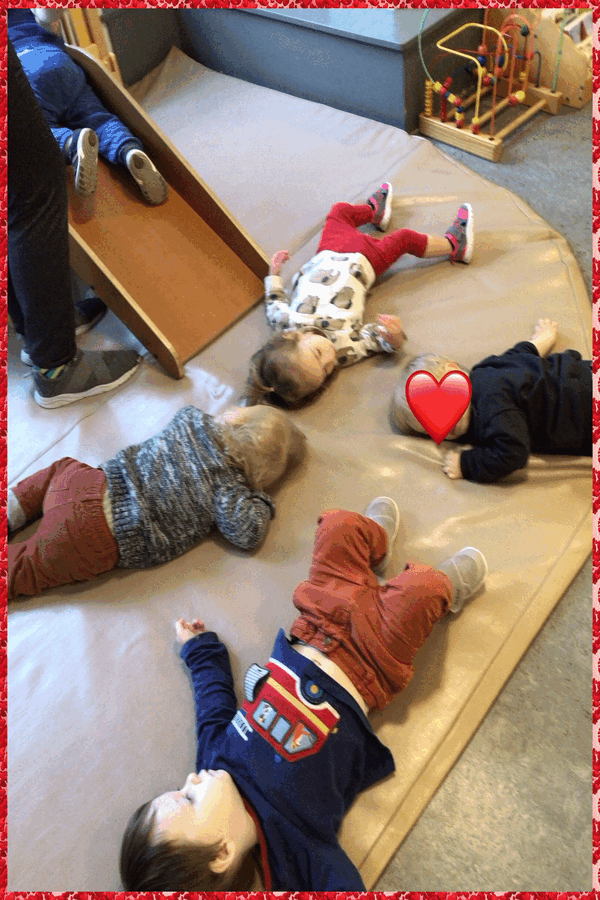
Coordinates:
x,y
87,111
55,81
39,274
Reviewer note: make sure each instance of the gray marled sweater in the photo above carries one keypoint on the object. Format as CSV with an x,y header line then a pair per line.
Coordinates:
x,y
168,493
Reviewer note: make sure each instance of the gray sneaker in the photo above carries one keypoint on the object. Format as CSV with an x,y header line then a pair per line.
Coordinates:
x,y
87,374
460,235
84,159
25,357
381,201
149,180
384,511
467,570
88,312
15,514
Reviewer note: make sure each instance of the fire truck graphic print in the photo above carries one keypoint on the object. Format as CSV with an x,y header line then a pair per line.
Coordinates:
x,y
287,711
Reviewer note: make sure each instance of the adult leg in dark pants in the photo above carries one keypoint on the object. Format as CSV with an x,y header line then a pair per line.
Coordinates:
x,y
39,276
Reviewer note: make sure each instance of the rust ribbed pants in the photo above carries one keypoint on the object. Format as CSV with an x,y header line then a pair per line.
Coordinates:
x,y
371,630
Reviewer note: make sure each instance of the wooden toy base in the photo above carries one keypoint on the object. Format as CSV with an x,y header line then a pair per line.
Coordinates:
x,y
447,132
483,144
177,274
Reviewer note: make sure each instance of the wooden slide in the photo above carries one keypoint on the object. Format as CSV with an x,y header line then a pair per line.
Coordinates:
x,y
177,274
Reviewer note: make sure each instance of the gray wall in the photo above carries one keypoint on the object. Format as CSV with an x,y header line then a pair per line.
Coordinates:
x,y
362,61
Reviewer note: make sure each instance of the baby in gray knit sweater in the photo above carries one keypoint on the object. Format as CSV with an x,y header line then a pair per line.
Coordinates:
x,y
152,501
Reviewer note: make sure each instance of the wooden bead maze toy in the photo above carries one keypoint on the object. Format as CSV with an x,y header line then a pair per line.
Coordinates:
x,y
503,77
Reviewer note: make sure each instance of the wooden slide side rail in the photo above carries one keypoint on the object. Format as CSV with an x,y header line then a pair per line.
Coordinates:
x,y
177,274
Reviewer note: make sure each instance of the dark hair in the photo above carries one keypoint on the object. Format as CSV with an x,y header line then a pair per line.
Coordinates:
x,y
169,865
270,375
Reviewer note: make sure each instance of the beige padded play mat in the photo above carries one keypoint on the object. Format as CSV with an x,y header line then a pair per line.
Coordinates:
x,y
100,710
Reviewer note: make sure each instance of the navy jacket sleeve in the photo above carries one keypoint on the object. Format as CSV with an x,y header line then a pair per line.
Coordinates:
x,y
243,515
506,449
332,870
522,347
216,704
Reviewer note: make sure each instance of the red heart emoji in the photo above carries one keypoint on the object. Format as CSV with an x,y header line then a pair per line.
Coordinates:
x,y
438,405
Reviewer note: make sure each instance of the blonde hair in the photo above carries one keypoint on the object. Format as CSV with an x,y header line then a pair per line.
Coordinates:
x,y
272,374
400,412
261,441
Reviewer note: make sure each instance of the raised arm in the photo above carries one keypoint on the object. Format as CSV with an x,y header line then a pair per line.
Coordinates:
x,y
276,299
208,661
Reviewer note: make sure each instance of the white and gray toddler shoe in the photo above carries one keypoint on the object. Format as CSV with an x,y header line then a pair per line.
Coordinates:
x,y
384,511
147,177
467,571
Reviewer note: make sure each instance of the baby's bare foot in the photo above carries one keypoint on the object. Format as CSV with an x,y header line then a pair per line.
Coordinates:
x,y
544,335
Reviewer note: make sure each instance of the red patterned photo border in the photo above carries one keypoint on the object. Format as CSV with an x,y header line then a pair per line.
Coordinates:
x,y
596,481
314,4
3,528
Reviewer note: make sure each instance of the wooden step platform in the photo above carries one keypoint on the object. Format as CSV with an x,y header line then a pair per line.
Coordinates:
x,y
177,274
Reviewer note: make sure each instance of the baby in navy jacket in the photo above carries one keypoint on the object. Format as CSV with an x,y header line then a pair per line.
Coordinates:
x,y
526,400
274,778
82,125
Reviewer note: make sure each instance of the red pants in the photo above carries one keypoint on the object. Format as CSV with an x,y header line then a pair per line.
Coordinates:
x,y
371,631
340,234
73,541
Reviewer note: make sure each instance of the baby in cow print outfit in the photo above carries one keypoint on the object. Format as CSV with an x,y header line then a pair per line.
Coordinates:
x,y
320,324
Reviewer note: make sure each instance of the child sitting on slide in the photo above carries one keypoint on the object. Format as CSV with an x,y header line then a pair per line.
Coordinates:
x,y
274,779
152,501
78,120
524,401
321,323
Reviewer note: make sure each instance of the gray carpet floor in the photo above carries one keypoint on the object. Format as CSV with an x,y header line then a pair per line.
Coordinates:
x,y
515,812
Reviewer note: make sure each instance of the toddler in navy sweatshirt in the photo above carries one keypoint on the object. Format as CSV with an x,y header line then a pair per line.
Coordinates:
x,y
274,777
526,400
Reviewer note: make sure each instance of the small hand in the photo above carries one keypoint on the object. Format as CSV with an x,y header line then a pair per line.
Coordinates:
x,y
451,464
391,330
277,261
187,630
544,336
